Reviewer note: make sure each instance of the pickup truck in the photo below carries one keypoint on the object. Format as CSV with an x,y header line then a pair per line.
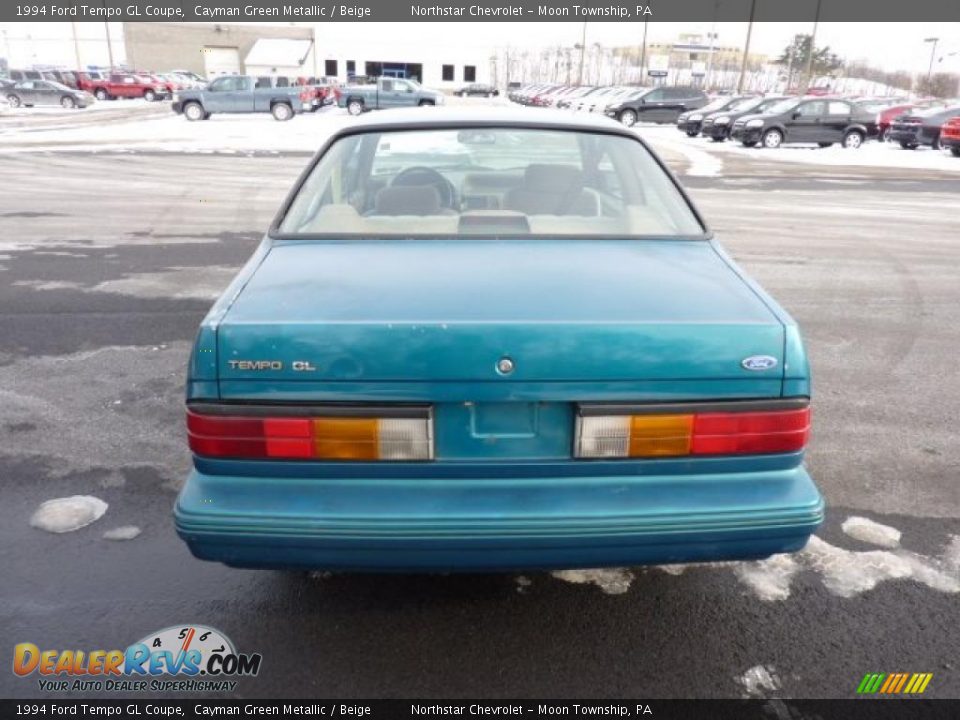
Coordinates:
x,y
242,94
385,93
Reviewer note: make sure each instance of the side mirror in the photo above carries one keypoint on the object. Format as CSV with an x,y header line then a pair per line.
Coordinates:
x,y
796,114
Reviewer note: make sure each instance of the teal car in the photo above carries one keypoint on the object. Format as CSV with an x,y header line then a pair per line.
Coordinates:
x,y
489,340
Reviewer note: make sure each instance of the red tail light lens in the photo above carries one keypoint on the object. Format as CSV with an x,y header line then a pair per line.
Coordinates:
x,y
680,433
306,438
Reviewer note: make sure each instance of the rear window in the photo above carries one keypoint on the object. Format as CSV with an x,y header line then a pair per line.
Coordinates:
x,y
489,181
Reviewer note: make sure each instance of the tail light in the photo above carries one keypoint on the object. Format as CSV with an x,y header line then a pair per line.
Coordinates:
x,y
645,433
314,437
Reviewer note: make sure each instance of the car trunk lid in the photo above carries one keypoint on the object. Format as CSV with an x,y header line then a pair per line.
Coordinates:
x,y
580,312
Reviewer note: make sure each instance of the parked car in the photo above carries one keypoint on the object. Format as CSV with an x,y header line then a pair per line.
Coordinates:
x,y
127,85
659,104
817,120
87,80
481,89
922,127
691,122
387,93
571,98
717,125
242,94
31,93
383,388
950,136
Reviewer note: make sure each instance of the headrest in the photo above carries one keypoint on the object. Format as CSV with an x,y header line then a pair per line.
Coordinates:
x,y
542,177
408,200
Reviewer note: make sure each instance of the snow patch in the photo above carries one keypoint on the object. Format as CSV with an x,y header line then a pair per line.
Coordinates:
x,y
67,514
868,531
759,680
613,581
847,573
523,582
769,579
124,532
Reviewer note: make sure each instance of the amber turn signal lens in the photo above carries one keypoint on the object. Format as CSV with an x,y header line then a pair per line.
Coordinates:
x,y
660,435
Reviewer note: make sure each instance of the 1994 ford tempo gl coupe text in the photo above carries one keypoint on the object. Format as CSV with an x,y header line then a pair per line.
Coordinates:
x,y
493,341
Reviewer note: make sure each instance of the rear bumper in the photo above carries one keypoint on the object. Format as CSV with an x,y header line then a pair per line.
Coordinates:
x,y
473,523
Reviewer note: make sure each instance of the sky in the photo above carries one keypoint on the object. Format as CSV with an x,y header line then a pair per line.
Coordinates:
x,y
890,46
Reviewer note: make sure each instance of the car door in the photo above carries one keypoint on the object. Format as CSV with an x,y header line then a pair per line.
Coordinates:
x,y
805,123
406,93
387,96
228,94
837,120
651,106
25,91
45,94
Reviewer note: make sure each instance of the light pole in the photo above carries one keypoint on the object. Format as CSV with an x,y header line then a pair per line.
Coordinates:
x,y
713,37
933,51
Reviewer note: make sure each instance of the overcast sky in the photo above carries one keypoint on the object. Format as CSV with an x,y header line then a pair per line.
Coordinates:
x,y
890,46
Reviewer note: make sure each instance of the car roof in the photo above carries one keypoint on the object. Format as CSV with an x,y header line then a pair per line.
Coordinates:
x,y
454,117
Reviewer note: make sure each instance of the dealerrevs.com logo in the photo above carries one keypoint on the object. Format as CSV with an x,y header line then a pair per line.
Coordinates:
x,y
185,658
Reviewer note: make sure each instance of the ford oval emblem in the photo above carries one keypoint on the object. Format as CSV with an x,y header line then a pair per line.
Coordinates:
x,y
759,362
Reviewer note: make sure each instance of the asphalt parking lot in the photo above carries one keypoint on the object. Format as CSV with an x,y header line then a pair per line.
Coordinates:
x,y
109,260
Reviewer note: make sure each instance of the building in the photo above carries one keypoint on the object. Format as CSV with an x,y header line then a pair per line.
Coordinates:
x,y
342,51
212,49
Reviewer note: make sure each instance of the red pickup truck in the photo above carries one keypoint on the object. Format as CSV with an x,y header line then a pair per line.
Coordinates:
x,y
126,85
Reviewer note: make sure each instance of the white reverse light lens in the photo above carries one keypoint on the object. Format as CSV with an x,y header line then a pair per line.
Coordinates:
x,y
604,436
404,439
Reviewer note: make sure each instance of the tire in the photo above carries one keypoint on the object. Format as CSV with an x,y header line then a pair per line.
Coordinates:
x,y
101,94
772,139
281,111
882,137
749,143
68,102
14,101
149,95
692,134
907,146
853,140
825,144
355,107
628,117
936,143
718,139
426,103
194,111
955,151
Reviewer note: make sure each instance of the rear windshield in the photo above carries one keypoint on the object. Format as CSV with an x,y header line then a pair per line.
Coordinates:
x,y
490,181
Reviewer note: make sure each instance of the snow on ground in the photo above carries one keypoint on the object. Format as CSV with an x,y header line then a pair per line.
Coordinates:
x,y
758,681
67,514
613,581
149,132
868,531
871,154
124,532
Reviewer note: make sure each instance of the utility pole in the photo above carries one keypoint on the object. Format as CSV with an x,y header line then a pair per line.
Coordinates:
x,y
713,37
76,45
746,47
813,39
933,51
643,54
106,27
583,49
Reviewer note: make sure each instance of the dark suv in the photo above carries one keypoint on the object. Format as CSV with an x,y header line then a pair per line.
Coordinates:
x,y
659,104
823,121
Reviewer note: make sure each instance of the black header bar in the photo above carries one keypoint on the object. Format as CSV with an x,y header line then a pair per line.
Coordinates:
x,y
254,11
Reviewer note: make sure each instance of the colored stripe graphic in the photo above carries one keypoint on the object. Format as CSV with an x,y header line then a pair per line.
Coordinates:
x,y
894,683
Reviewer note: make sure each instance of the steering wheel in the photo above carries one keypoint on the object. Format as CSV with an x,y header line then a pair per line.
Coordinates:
x,y
422,175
